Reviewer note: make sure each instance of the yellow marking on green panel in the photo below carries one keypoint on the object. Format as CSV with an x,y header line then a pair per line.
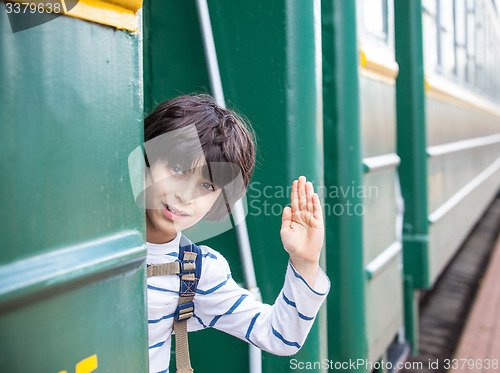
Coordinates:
x,y
106,13
87,365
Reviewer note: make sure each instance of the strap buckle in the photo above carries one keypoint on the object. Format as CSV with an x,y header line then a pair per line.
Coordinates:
x,y
188,266
184,311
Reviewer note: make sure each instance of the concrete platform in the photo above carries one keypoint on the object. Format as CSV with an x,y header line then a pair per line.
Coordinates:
x,y
480,340
445,309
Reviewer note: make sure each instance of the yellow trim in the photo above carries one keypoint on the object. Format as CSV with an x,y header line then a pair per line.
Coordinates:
x,y
378,64
106,13
427,86
121,14
362,58
441,89
134,5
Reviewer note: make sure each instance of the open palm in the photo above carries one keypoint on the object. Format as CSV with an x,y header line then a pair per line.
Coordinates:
x,y
302,228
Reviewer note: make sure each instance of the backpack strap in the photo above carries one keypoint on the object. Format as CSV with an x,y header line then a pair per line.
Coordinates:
x,y
190,259
164,269
188,268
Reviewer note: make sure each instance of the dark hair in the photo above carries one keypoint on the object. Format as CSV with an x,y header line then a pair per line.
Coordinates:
x,y
225,136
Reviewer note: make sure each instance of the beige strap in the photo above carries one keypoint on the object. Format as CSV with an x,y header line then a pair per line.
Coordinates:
x,y
182,361
164,269
180,327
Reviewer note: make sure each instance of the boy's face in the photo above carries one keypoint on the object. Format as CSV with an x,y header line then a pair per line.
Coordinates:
x,y
177,200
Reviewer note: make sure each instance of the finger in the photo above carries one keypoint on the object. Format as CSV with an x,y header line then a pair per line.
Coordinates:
x,y
317,211
309,194
294,198
302,194
286,218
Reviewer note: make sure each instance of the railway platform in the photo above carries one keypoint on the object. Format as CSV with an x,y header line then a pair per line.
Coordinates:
x,y
460,315
478,349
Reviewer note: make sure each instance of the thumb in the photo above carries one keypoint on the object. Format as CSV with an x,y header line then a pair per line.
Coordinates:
x,y
286,218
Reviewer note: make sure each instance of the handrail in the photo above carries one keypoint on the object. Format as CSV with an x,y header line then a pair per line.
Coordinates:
x,y
381,162
375,267
463,192
457,146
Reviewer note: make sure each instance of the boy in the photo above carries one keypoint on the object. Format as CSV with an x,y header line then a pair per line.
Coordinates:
x,y
196,153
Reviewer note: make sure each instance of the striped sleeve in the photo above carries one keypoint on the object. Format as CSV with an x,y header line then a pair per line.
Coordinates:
x,y
280,329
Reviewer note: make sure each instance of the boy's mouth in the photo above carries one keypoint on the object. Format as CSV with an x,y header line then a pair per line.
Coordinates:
x,y
172,213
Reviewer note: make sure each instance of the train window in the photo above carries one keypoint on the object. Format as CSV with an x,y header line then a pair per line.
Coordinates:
x,y
430,34
481,36
460,40
470,42
446,38
375,19
375,27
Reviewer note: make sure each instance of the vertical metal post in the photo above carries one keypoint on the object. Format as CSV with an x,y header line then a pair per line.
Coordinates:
x,y
411,143
255,354
347,336
411,313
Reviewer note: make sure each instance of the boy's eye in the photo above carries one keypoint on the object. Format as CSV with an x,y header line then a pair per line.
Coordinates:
x,y
176,170
208,186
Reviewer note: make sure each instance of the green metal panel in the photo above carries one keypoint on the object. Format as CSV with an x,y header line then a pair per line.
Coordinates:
x,y
173,52
72,258
347,335
267,58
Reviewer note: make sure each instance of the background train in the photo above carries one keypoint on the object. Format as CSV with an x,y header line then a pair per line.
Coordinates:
x,y
391,108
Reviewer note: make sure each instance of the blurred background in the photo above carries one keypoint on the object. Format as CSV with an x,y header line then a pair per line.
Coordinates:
x,y
391,108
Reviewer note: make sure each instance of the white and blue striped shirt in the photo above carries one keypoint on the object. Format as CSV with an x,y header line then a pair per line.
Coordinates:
x,y
220,303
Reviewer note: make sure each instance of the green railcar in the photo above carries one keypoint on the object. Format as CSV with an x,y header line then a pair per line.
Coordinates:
x,y
72,281
362,97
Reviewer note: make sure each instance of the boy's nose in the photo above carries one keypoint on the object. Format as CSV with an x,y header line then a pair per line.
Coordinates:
x,y
186,192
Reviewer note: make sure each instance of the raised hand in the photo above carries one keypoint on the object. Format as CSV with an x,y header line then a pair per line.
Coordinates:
x,y
302,229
